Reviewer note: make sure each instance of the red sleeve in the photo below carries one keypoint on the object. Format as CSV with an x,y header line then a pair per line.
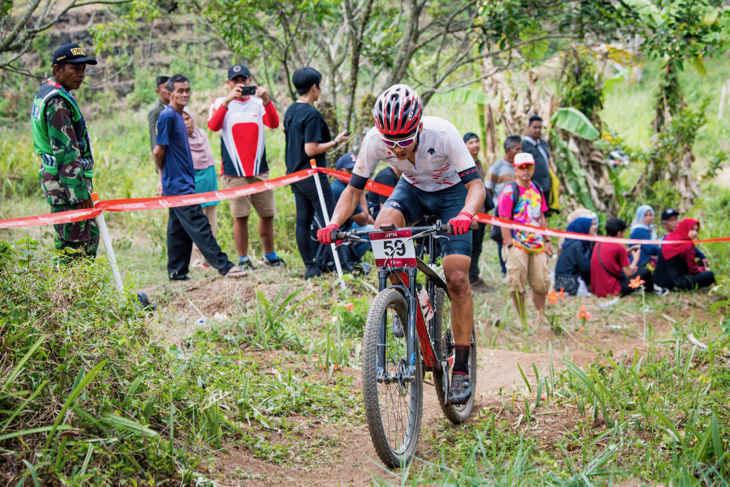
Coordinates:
x,y
216,117
271,117
690,257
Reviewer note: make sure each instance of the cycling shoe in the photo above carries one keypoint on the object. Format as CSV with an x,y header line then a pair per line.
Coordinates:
x,y
398,328
460,390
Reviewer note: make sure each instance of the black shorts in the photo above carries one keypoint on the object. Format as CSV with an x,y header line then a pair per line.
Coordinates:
x,y
444,205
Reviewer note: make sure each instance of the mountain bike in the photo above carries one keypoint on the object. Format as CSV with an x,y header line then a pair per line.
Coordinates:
x,y
407,333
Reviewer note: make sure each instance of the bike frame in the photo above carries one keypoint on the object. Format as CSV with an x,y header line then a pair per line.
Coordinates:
x,y
416,323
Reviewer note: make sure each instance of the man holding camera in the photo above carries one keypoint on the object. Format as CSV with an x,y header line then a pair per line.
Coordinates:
x,y
241,117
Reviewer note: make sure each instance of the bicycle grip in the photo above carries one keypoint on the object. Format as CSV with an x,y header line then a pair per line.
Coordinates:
x,y
339,236
449,229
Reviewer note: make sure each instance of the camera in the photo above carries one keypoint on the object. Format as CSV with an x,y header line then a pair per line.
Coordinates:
x,y
248,90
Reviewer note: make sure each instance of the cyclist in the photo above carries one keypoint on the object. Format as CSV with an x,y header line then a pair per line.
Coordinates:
x,y
438,178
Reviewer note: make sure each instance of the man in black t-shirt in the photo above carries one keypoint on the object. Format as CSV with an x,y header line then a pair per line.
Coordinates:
x,y
389,176
308,137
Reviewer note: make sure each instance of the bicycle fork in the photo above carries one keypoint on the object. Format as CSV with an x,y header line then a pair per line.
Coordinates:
x,y
406,368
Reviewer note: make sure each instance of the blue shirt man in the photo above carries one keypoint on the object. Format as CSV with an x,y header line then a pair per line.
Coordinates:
x,y
186,224
178,173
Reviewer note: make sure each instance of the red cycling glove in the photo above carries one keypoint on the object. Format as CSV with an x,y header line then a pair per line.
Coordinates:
x,y
461,223
327,234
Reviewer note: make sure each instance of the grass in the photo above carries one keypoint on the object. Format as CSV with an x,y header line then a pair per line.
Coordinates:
x,y
88,394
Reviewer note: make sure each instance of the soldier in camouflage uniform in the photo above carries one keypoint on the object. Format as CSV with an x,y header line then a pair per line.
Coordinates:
x,y
62,141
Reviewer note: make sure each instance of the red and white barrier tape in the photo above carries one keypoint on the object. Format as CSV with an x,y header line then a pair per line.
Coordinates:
x,y
138,204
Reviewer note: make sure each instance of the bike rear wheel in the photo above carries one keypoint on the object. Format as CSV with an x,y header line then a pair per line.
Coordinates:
x,y
457,414
393,402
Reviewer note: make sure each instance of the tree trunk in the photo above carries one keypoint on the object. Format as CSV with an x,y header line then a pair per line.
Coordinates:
x,y
491,144
668,104
598,181
408,41
356,40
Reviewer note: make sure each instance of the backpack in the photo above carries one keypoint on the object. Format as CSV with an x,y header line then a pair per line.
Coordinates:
x,y
495,233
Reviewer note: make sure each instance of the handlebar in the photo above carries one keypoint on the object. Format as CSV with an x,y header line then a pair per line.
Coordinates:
x,y
415,231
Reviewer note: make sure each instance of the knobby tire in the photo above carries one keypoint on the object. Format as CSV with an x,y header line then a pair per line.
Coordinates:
x,y
394,447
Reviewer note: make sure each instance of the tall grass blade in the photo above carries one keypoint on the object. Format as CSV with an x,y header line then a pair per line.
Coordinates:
x,y
527,383
14,374
71,398
130,425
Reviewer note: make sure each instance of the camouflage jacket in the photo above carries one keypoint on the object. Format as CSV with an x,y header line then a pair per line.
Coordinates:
x,y
61,139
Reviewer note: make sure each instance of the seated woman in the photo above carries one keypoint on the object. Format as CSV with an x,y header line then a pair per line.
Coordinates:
x,y
579,213
677,267
642,228
574,262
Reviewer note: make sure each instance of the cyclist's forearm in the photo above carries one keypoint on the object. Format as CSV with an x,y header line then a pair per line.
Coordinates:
x,y
345,205
475,196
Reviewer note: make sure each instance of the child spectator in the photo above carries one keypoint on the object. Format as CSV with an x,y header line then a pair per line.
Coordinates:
x,y
524,251
643,229
574,263
677,265
610,265
205,178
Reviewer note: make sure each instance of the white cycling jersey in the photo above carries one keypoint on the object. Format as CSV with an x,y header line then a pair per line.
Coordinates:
x,y
442,158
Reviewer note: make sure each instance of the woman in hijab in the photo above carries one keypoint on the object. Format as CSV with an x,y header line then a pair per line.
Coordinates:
x,y
677,266
642,228
574,262
578,213
205,178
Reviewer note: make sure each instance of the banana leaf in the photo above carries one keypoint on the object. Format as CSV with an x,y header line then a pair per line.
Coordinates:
x,y
574,121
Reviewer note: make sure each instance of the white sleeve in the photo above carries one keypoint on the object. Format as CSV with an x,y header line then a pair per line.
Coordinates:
x,y
456,149
367,158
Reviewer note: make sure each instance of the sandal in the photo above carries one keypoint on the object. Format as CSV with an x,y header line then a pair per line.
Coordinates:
x,y
235,273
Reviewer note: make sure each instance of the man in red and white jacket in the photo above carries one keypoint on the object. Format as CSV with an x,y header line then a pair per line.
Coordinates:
x,y
241,119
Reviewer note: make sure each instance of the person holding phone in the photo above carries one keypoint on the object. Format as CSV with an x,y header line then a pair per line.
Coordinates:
x,y
611,269
241,117
308,137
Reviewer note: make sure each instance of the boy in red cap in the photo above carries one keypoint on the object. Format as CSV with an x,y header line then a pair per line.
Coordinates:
x,y
524,251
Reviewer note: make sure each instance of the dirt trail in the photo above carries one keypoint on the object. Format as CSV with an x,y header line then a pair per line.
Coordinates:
x,y
358,463
354,461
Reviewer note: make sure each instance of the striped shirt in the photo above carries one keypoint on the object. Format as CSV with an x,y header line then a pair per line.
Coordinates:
x,y
500,174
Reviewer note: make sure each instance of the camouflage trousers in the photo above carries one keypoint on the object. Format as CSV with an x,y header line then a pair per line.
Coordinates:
x,y
81,238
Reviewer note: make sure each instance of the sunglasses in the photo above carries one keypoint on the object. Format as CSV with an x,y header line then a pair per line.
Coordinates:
x,y
525,167
402,143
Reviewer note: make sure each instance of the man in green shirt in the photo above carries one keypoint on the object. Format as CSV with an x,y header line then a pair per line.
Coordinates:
x,y
62,141
161,103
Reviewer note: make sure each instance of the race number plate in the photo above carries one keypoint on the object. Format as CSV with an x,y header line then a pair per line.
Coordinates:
x,y
394,249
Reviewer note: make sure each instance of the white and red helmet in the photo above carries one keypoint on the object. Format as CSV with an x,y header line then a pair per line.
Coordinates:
x,y
397,111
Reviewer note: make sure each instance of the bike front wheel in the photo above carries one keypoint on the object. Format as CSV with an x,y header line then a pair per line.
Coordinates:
x,y
392,391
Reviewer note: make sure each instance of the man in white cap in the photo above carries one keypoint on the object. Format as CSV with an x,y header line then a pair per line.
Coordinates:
x,y
523,202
